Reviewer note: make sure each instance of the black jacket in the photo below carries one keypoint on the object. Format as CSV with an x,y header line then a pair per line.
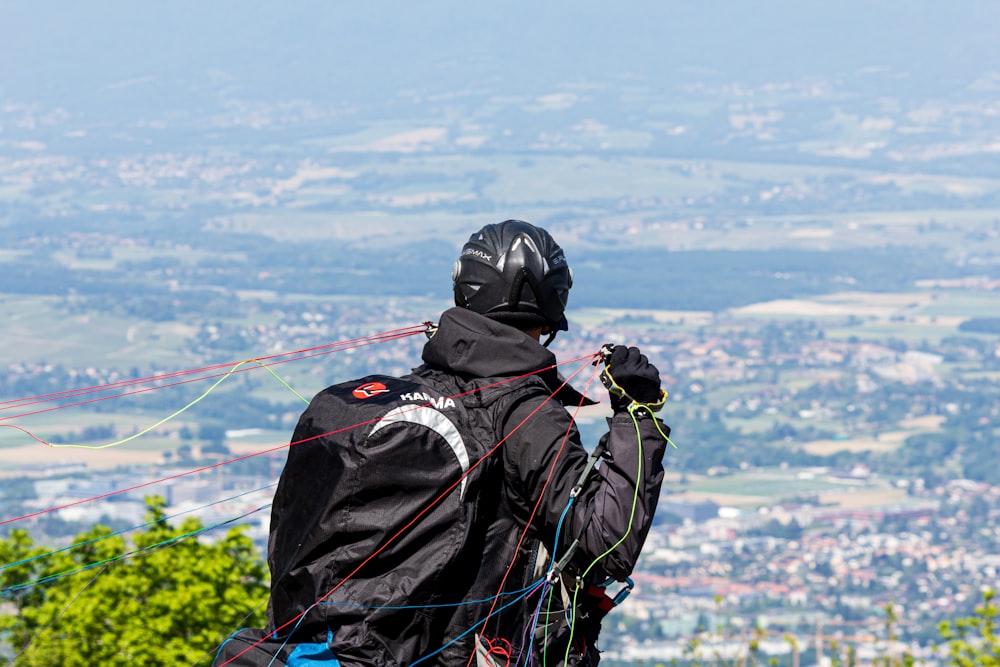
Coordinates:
x,y
399,523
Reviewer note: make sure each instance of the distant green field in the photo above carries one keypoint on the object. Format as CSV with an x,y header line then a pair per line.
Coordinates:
x,y
782,484
964,303
37,329
370,227
990,376
759,423
639,319
261,439
62,422
560,179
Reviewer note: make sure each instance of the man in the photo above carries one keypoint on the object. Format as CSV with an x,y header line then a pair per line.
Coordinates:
x,y
453,515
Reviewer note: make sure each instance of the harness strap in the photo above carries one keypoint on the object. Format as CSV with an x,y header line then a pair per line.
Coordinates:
x,y
599,451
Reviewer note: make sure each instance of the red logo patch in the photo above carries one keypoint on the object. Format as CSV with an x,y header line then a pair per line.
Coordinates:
x,y
369,389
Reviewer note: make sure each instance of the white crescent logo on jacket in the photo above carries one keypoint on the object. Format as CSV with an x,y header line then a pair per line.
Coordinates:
x,y
435,421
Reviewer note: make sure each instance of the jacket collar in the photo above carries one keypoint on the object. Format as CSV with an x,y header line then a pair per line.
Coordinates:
x,y
473,346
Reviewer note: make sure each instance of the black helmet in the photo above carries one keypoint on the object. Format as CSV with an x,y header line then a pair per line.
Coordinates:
x,y
515,273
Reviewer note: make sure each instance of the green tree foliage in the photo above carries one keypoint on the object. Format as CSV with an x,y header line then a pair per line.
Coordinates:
x,y
170,602
974,640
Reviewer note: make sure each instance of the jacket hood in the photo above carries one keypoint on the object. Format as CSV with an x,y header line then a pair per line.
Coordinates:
x,y
473,346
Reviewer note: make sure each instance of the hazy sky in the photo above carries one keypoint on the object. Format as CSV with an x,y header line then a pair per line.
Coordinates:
x,y
83,54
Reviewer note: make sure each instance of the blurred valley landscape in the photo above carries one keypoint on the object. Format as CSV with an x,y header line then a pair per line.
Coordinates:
x,y
808,248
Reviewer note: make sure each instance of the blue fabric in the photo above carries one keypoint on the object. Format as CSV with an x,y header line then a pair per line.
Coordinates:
x,y
313,655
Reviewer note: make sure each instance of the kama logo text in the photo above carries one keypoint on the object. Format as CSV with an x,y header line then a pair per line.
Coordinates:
x,y
369,389
439,402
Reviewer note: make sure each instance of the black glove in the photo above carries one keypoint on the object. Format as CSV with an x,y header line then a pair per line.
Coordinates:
x,y
631,370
